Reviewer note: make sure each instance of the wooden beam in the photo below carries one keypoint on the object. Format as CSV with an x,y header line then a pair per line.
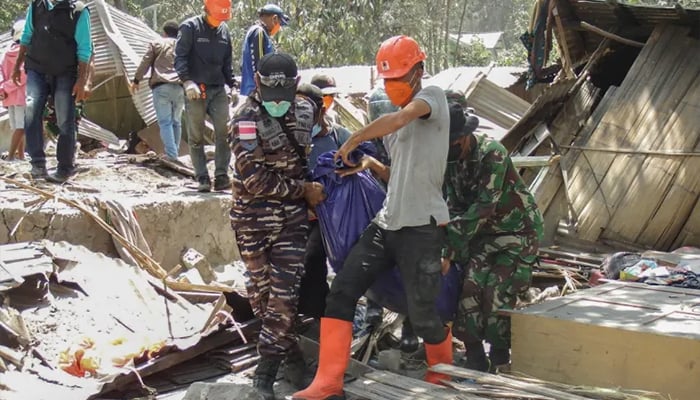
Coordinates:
x,y
502,381
568,65
592,28
534,161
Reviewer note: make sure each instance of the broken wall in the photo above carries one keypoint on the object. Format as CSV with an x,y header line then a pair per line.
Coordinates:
x,y
629,185
170,226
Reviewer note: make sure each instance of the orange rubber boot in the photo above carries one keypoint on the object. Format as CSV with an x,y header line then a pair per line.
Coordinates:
x,y
333,359
440,353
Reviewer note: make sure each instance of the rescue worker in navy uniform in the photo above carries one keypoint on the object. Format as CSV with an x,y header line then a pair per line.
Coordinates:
x,y
271,139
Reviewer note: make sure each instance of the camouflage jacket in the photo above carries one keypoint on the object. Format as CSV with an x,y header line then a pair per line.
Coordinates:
x,y
487,197
269,171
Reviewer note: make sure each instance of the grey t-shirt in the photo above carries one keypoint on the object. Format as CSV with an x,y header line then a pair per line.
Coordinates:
x,y
418,162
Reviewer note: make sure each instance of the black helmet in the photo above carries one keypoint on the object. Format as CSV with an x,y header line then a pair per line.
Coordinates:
x,y
379,104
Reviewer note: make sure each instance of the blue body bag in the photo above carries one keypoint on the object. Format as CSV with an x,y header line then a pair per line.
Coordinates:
x,y
351,204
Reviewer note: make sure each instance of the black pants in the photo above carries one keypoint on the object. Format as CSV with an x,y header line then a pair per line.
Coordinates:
x,y
416,251
314,284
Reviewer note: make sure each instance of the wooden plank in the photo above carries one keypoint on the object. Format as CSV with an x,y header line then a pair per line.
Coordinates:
x,y
563,45
372,390
582,354
607,133
664,126
495,393
655,99
533,161
411,385
690,232
502,381
564,129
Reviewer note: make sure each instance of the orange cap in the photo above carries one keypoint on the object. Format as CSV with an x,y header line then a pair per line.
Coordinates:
x,y
397,55
219,10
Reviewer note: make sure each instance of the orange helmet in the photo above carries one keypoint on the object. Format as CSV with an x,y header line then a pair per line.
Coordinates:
x,y
219,10
397,55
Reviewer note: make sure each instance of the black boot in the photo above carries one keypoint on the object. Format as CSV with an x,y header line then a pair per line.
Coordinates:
x,y
222,182
476,357
499,358
265,375
409,340
295,370
204,184
374,314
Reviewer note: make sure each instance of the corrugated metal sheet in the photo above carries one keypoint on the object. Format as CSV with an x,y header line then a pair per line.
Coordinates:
x,y
119,42
495,103
129,37
460,78
544,106
90,129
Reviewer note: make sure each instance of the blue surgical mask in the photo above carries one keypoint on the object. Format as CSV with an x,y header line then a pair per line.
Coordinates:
x,y
315,130
277,109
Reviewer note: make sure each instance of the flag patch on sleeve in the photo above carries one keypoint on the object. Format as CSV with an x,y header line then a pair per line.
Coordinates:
x,y
247,130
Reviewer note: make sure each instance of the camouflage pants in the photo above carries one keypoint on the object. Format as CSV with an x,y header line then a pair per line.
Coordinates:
x,y
275,263
499,268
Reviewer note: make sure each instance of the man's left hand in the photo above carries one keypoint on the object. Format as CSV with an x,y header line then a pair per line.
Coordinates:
x,y
345,150
446,262
81,91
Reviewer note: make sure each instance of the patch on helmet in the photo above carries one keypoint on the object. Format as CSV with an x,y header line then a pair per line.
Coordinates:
x,y
385,65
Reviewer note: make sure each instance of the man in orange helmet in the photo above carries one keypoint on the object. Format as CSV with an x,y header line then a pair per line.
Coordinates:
x,y
407,231
203,64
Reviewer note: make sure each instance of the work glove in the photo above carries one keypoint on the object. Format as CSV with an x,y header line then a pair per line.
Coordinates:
x,y
192,90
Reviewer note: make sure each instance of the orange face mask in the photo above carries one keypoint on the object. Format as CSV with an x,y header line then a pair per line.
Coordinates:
x,y
328,101
275,28
213,21
398,91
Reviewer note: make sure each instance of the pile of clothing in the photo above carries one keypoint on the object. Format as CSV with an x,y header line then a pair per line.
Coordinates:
x,y
652,270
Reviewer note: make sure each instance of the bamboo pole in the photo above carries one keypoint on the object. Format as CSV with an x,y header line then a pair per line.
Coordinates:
x,y
143,260
592,28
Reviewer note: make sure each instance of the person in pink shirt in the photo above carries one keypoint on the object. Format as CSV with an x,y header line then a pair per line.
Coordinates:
x,y
13,95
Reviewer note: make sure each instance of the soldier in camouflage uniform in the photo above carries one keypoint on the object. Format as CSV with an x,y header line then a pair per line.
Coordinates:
x,y
494,231
271,137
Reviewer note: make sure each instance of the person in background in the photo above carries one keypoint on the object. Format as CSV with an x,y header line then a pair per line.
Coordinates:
x,y
330,91
203,63
494,231
168,95
271,196
324,137
407,230
13,95
57,44
258,42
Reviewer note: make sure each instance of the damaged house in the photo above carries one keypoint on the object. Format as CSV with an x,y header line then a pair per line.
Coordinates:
x,y
623,116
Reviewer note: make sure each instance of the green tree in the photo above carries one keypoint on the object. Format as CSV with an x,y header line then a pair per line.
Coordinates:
x,y
11,12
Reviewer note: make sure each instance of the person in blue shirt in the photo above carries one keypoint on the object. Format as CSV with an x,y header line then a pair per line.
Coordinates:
x,y
56,47
258,42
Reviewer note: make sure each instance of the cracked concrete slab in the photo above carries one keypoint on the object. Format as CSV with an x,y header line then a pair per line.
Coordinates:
x,y
172,215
